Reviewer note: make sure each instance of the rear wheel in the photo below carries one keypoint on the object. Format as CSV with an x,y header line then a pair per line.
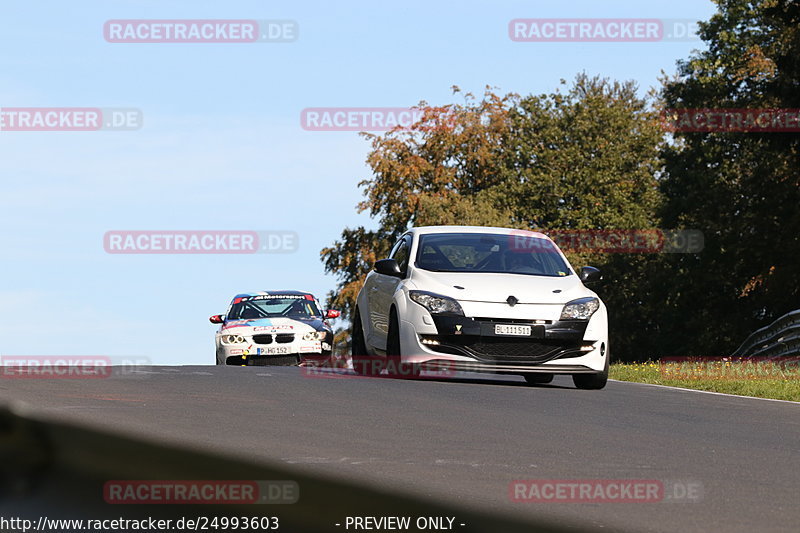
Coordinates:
x,y
538,378
363,363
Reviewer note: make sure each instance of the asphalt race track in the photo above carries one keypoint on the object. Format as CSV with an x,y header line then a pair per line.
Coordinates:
x,y
464,440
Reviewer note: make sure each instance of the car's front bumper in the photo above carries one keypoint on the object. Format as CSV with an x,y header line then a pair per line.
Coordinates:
x,y
467,344
251,353
446,367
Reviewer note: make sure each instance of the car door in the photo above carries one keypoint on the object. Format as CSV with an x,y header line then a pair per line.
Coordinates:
x,y
381,291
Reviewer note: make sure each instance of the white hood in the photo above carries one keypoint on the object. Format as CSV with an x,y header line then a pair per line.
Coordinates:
x,y
490,287
265,325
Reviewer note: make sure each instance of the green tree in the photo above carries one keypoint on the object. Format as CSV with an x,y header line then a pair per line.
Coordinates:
x,y
588,160
741,189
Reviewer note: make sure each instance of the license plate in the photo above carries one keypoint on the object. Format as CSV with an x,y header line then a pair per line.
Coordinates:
x,y
273,350
512,329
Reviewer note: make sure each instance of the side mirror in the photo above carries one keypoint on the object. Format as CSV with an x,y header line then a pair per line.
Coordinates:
x,y
590,274
216,319
388,267
332,313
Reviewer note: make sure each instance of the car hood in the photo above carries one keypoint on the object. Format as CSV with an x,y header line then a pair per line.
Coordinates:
x,y
272,325
491,287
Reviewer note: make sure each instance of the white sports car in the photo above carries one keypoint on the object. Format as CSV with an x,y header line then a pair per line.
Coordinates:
x,y
268,328
467,298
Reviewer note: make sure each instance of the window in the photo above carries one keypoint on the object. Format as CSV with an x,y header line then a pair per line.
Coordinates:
x,y
400,252
477,252
274,306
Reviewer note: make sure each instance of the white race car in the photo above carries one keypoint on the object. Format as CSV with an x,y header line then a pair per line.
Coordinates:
x,y
269,328
466,298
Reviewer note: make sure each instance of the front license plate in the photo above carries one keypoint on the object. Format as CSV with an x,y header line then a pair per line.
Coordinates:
x,y
274,350
512,329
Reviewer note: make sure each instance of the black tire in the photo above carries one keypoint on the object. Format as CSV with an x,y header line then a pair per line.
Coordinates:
x,y
592,381
363,363
535,379
394,365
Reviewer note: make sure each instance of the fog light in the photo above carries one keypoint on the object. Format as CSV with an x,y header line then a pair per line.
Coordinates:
x,y
587,347
429,340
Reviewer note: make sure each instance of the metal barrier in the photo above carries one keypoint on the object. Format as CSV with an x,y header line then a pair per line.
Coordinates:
x,y
779,339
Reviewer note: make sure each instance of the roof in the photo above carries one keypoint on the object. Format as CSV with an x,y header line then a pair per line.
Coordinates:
x,y
425,230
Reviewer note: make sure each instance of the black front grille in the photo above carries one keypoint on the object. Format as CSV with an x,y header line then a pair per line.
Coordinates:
x,y
504,350
262,339
273,360
284,338
510,349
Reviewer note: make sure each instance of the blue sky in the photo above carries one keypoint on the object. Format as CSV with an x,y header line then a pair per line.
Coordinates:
x,y
222,148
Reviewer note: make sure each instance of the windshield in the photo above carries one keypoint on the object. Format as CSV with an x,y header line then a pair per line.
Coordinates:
x,y
273,306
479,252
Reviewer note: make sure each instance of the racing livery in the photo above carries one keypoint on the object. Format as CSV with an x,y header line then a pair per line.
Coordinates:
x,y
274,328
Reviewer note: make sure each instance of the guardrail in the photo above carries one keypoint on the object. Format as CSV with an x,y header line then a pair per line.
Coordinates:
x,y
779,339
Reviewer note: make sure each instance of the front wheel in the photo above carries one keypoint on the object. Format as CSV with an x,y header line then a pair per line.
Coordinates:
x,y
592,381
394,360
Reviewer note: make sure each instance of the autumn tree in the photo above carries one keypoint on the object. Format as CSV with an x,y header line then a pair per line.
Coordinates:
x,y
421,175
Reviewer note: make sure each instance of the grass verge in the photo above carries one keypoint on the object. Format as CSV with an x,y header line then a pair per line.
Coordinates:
x,y
728,378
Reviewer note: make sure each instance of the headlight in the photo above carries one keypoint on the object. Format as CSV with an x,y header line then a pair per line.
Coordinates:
x,y
315,336
580,309
232,339
436,303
